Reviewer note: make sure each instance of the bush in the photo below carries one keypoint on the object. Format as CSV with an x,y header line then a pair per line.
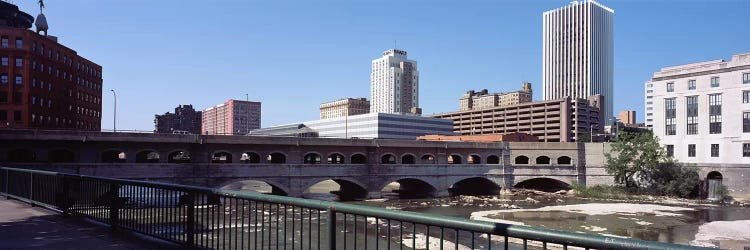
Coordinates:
x,y
674,179
600,191
722,192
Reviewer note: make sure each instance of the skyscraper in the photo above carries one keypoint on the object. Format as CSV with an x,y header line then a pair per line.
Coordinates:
x,y
233,117
394,84
578,53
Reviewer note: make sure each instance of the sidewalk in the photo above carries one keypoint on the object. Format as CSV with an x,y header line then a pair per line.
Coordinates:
x,y
26,227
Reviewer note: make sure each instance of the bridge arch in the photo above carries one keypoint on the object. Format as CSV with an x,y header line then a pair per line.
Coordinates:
x,y
250,157
358,158
409,188
542,160
474,159
408,158
427,159
311,158
493,159
546,184
454,159
255,185
521,160
114,156
388,158
276,158
61,155
147,156
221,156
348,189
179,156
21,155
336,158
474,186
564,160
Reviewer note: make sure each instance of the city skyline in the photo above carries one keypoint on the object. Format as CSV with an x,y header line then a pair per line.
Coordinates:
x,y
143,61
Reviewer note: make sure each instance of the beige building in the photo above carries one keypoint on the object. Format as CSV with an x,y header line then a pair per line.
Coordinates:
x,y
476,100
344,107
627,117
560,120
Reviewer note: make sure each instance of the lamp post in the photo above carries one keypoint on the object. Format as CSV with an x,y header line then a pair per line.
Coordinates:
x,y
114,119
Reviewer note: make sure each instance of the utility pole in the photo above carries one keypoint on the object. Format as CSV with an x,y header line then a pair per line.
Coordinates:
x,y
114,119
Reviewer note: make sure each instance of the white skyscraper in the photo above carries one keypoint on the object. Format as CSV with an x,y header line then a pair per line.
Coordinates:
x,y
578,58
394,84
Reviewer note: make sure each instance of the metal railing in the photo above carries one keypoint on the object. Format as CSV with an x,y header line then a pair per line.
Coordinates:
x,y
206,218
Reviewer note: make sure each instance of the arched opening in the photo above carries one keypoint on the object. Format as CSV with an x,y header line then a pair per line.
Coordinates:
x,y
21,155
114,156
563,160
250,157
521,159
714,179
147,156
336,158
336,189
359,159
427,159
493,159
542,160
276,158
221,157
255,186
454,159
179,156
474,186
474,159
408,159
311,158
543,184
62,155
388,159
409,188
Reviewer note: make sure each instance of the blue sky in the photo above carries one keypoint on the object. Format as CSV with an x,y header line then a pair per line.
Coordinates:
x,y
293,55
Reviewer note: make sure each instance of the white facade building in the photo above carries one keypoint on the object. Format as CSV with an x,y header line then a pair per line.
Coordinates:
x,y
578,52
394,84
649,104
381,125
701,112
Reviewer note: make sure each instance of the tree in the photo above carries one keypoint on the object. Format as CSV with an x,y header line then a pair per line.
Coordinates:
x,y
632,155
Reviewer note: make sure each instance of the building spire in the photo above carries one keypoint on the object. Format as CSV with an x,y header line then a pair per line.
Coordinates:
x,y
41,6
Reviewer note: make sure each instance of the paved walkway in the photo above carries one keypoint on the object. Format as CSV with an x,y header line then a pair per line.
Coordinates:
x,y
26,227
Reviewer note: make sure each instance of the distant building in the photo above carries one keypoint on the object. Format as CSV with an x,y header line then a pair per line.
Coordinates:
x,y
371,125
512,137
394,84
44,84
476,100
184,120
344,107
561,120
578,52
233,117
627,117
291,130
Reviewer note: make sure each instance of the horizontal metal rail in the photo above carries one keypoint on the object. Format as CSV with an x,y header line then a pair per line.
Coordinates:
x,y
198,217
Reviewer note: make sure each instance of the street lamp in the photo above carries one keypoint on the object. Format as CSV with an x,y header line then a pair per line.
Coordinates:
x,y
114,119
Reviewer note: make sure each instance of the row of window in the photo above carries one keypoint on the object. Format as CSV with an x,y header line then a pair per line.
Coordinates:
x,y
714,115
5,43
16,116
48,120
4,80
714,150
17,98
714,83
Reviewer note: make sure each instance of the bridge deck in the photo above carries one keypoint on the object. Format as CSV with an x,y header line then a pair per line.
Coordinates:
x,y
26,227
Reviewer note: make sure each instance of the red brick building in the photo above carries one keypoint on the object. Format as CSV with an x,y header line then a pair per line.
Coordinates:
x,y
44,84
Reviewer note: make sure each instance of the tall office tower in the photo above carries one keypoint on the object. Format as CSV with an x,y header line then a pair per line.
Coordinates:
x,y
627,117
233,117
394,84
578,52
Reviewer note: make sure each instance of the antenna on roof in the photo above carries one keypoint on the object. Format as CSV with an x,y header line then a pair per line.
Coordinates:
x,y
41,5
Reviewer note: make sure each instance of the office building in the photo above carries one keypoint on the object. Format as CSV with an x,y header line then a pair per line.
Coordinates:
x,y
370,125
291,130
627,118
394,84
233,117
184,120
476,100
577,52
701,111
649,104
44,84
561,120
344,107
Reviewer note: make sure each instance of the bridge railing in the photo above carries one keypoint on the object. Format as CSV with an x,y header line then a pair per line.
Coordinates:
x,y
198,217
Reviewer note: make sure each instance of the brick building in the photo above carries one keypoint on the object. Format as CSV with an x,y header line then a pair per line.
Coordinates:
x,y
44,84
184,120
233,117
475,100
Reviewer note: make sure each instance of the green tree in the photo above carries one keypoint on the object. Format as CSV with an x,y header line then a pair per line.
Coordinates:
x,y
634,155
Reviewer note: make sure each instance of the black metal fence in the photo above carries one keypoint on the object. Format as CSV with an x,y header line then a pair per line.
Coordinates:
x,y
218,219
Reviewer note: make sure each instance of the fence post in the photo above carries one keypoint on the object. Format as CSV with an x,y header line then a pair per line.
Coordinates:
x,y
7,185
114,205
332,228
190,223
31,189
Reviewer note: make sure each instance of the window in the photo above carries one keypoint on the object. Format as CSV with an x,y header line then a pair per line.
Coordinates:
x,y
649,91
4,60
33,100
745,78
746,150
17,115
746,122
691,150
19,62
3,79
714,81
670,87
33,65
670,150
4,42
714,150
3,115
3,97
19,80
745,96
714,113
670,116
691,84
33,46
17,98
19,43
692,115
